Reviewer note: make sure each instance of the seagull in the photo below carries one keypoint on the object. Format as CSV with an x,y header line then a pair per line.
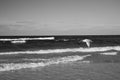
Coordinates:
x,y
87,41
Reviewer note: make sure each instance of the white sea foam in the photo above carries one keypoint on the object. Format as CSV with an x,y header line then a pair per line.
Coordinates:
x,y
93,49
17,66
18,41
24,39
109,53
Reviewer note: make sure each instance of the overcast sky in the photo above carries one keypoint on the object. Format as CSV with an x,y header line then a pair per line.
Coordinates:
x,y
59,17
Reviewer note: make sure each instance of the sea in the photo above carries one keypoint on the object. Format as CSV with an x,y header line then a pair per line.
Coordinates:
x,y
63,57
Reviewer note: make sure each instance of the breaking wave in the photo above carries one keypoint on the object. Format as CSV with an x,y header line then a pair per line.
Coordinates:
x,y
93,49
109,53
18,41
24,39
45,62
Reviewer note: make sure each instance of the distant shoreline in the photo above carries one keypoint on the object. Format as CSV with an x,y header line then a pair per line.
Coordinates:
x,y
54,35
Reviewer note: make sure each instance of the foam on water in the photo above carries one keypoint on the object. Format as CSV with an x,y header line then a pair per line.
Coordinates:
x,y
23,39
18,41
17,66
93,49
109,53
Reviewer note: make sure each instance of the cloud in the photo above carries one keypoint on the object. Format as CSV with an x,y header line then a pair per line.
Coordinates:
x,y
26,22
19,25
31,27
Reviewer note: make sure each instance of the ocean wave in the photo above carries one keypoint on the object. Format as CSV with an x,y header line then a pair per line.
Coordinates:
x,y
92,49
24,39
109,53
46,62
18,41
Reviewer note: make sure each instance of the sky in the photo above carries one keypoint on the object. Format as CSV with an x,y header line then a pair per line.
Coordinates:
x,y
59,17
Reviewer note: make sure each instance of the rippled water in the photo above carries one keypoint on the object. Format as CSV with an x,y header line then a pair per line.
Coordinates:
x,y
59,58
74,71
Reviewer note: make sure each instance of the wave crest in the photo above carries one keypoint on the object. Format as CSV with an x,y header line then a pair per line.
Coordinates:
x,y
94,49
24,39
46,62
109,53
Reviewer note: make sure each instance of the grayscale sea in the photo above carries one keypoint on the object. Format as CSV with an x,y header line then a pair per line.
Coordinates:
x,y
60,57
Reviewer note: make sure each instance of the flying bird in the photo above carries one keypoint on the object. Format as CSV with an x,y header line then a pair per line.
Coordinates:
x,y
87,41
